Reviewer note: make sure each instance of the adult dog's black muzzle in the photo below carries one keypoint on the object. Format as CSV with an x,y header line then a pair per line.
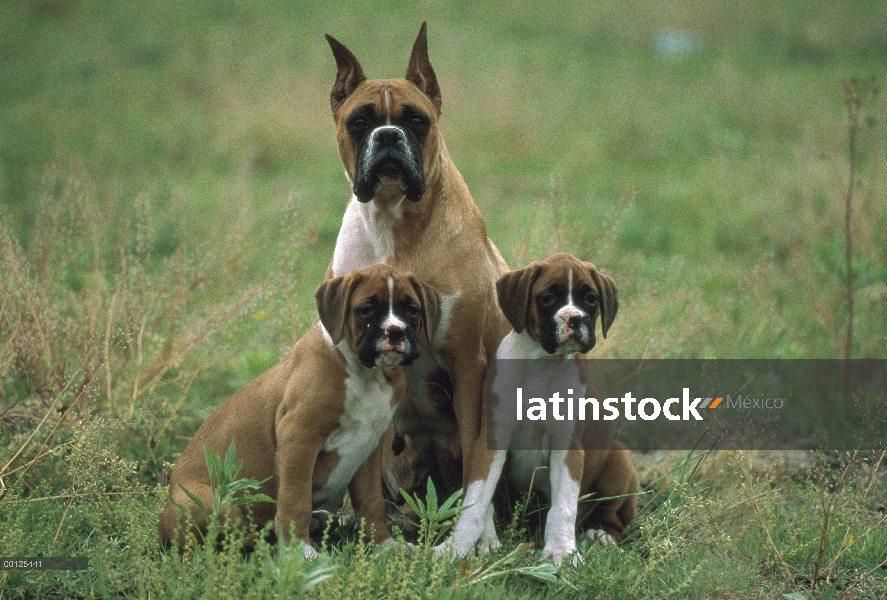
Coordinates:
x,y
389,152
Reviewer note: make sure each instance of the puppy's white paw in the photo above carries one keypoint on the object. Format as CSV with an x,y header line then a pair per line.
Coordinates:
x,y
488,545
455,551
445,549
600,536
558,550
384,544
310,553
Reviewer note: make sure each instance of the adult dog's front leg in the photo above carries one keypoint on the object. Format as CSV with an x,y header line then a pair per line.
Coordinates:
x,y
468,390
476,524
481,468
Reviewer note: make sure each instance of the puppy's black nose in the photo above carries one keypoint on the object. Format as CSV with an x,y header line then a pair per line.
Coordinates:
x,y
394,334
575,322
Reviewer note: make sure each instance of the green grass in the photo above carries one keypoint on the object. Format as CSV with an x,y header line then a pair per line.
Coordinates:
x,y
170,196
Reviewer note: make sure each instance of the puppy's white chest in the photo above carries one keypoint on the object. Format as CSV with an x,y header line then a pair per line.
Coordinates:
x,y
368,412
547,373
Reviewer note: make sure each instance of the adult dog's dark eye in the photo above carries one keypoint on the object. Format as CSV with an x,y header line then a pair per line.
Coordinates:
x,y
418,124
591,299
367,311
546,299
412,311
358,123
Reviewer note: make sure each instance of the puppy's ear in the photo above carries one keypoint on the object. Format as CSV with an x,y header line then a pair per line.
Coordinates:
x,y
606,288
333,297
349,74
513,290
419,70
429,301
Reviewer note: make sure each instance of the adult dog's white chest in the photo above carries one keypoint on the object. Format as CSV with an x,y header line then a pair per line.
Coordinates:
x,y
368,411
366,237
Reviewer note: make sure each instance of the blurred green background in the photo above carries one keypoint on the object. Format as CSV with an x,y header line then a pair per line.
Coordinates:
x,y
697,151
170,196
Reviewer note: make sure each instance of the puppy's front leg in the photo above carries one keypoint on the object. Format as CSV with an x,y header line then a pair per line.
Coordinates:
x,y
366,497
297,452
565,470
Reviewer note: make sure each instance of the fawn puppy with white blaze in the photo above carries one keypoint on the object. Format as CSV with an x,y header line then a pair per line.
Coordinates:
x,y
311,426
553,306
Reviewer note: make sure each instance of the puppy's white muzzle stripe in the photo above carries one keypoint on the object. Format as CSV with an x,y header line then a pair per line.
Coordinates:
x,y
566,312
392,320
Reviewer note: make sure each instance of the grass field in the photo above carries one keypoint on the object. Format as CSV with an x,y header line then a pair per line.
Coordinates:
x,y
170,195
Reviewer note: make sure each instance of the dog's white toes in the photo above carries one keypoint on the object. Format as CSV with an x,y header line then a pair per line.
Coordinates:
x,y
489,546
389,543
556,557
557,552
310,553
600,536
452,550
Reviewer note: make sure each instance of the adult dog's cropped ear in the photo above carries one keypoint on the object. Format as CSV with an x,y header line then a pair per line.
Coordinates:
x,y
333,297
429,301
606,288
419,70
349,74
513,291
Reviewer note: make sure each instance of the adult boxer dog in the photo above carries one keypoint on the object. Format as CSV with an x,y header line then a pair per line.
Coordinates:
x,y
553,306
410,208
311,425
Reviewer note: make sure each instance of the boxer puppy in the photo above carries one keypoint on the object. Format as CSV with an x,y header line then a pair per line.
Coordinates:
x,y
553,306
311,425
410,208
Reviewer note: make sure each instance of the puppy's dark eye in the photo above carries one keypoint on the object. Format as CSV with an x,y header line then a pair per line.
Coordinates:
x,y
366,312
591,299
547,299
412,311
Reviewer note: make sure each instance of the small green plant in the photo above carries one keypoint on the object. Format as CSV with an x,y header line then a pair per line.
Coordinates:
x,y
509,565
295,573
434,521
225,485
